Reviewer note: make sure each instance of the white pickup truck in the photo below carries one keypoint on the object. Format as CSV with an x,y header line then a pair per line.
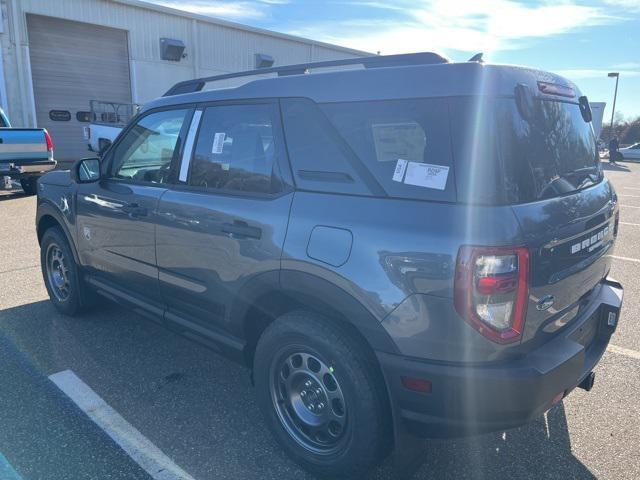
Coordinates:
x,y
107,121
25,154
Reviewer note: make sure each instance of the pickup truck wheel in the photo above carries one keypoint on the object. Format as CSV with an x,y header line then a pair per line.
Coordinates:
x,y
61,274
29,185
322,396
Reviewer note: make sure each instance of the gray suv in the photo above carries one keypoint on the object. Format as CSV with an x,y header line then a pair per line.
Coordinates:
x,y
402,246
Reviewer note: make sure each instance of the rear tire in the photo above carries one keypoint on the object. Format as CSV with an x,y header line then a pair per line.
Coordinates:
x,y
61,274
29,185
322,395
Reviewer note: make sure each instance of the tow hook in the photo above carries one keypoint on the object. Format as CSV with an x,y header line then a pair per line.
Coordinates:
x,y
587,383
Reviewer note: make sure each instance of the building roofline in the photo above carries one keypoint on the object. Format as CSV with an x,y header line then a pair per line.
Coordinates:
x,y
238,26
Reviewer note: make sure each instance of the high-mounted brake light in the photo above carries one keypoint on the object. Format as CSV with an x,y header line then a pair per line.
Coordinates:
x,y
47,138
491,290
556,89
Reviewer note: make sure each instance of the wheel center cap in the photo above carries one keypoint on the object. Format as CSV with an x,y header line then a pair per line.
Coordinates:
x,y
313,397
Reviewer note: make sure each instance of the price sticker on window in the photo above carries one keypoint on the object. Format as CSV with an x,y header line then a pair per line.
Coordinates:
x,y
218,143
427,175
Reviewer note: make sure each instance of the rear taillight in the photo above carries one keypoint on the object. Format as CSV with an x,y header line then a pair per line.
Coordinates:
x,y
47,138
491,290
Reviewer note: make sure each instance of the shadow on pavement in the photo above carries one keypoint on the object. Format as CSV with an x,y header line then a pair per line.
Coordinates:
x,y
199,408
614,167
11,194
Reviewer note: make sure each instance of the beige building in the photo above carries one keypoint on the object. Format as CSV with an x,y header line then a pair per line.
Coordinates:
x,y
57,55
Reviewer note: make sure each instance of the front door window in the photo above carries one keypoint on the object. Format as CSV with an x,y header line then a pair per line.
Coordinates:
x,y
147,150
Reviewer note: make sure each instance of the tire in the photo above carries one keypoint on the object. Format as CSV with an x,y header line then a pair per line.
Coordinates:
x,y
29,185
62,277
331,379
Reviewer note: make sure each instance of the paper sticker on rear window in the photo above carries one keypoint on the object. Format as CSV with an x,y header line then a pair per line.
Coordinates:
x,y
427,175
399,140
218,143
398,173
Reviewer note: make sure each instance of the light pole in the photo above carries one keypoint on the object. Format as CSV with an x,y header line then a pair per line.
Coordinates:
x,y
615,94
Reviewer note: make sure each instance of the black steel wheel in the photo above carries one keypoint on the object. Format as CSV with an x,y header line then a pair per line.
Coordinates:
x,y
57,272
61,274
309,400
322,395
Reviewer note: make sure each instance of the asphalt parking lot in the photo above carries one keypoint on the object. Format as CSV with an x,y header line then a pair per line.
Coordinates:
x,y
199,409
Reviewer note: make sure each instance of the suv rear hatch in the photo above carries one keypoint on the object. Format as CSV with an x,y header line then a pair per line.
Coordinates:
x,y
549,171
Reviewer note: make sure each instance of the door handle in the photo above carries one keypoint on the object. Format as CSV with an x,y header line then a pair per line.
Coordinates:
x,y
134,210
241,229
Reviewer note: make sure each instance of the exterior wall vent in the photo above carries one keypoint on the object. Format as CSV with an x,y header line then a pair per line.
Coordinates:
x,y
172,50
263,60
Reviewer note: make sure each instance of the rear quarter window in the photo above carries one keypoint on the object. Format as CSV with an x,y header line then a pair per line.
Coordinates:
x,y
405,144
398,148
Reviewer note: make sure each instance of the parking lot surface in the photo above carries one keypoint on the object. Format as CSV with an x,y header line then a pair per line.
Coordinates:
x,y
199,409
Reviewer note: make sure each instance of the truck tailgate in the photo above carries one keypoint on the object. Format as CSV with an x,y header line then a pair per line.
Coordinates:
x,y
22,144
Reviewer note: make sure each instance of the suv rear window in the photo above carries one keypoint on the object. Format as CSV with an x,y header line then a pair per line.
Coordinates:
x,y
505,159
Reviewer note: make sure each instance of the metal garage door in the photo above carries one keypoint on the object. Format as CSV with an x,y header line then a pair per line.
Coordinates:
x,y
73,63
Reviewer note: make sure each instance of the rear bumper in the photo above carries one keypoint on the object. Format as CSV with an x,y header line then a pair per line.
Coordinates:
x,y
26,168
470,399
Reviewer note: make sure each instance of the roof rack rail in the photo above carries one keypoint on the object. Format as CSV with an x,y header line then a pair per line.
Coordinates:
x,y
374,61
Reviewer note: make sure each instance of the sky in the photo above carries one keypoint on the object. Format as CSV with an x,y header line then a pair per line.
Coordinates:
x,y
580,40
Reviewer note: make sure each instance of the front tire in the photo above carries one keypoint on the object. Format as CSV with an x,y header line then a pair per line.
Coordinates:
x,y
29,185
61,274
322,395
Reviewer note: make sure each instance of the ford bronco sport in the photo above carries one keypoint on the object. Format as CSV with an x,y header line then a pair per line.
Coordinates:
x,y
412,247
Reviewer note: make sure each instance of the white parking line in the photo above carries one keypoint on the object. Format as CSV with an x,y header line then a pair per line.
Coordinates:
x,y
632,224
627,352
632,188
628,259
627,195
136,445
629,206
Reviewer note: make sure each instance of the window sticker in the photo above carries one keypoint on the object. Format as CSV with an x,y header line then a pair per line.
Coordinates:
x,y
218,143
401,167
399,140
427,175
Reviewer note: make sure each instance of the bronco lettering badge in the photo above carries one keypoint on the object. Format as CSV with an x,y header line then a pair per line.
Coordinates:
x,y
592,242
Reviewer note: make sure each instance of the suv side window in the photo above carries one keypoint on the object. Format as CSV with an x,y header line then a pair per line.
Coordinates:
x,y
405,144
147,150
320,158
237,149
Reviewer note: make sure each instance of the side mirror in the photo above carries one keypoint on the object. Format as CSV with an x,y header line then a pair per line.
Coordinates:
x,y
86,170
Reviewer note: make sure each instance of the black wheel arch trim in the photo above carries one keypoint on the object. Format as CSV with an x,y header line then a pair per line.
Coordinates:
x,y
318,293
46,209
312,292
